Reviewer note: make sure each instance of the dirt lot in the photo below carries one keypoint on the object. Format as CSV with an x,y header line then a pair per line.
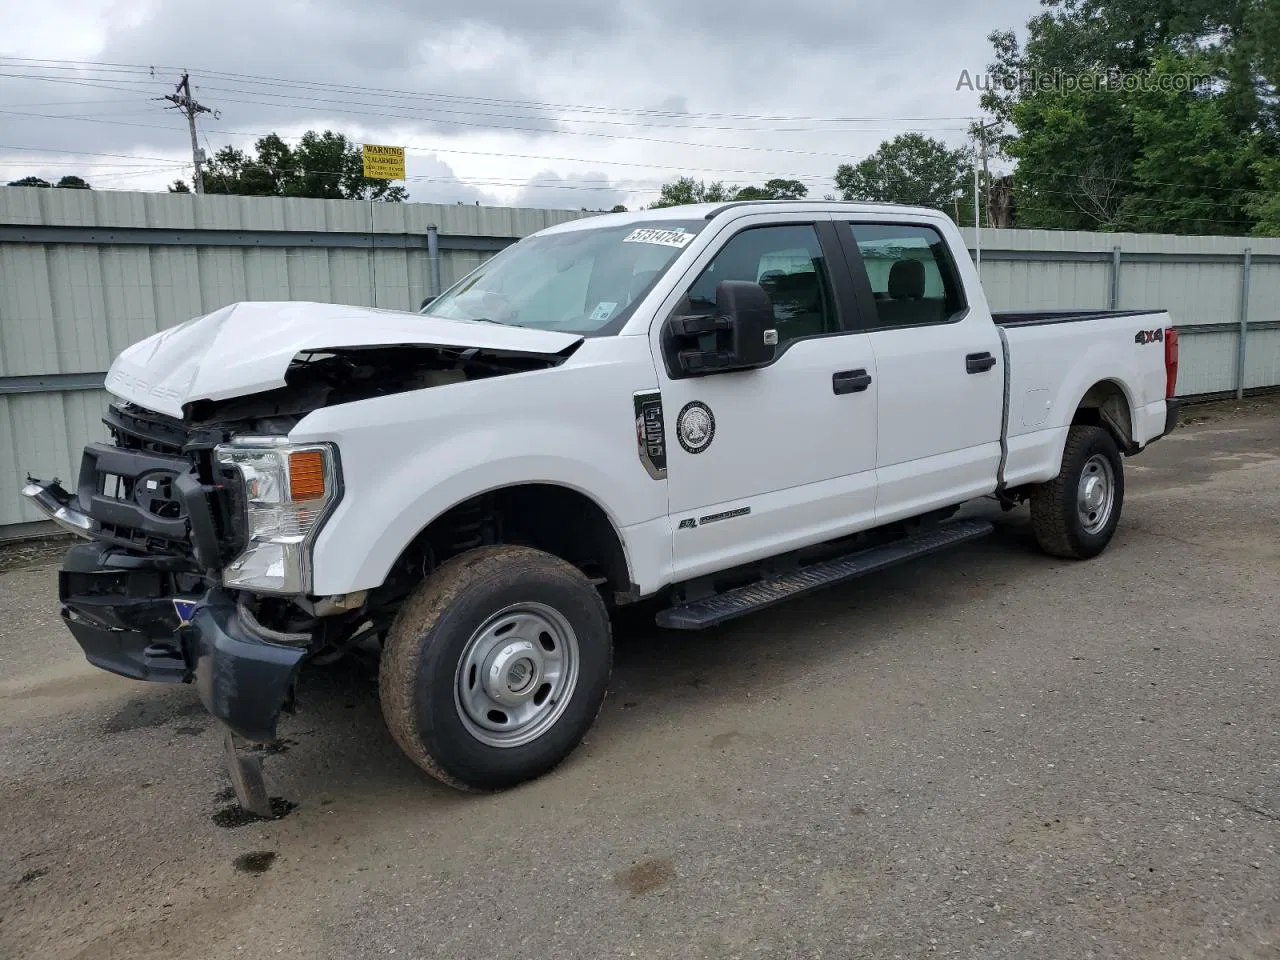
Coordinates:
x,y
989,754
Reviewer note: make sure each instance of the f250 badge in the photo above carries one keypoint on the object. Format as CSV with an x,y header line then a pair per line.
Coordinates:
x,y
1149,336
650,436
695,426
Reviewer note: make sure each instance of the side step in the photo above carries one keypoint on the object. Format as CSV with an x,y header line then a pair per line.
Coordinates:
x,y
765,593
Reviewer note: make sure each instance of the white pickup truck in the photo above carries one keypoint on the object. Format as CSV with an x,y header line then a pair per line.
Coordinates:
x,y
721,406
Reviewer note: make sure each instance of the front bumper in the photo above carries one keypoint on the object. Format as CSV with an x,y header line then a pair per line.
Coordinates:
x,y
242,679
123,611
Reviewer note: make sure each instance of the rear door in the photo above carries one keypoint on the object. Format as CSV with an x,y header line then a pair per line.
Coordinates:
x,y
939,367
767,460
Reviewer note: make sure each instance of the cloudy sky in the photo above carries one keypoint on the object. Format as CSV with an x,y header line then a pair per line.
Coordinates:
x,y
560,103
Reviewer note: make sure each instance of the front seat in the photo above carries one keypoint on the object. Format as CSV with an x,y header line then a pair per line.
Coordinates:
x,y
907,304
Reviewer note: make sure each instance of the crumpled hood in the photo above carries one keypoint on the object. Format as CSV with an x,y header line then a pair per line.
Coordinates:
x,y
246,348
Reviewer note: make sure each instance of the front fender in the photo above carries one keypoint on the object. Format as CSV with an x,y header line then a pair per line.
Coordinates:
x,y
408,457
369,531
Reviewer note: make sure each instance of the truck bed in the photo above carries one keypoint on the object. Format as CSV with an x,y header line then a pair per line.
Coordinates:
x,y
1055,360
1036,318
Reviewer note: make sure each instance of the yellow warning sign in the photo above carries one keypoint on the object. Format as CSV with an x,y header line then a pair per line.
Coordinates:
x,y
383,163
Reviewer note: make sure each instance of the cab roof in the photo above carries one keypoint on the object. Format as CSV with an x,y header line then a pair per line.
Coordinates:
x,y
709,211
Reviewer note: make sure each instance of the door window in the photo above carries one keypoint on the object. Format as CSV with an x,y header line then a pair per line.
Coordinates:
x,y
787,262
913,278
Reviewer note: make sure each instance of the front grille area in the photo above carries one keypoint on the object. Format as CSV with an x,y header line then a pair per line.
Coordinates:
x,y
142,487
133,428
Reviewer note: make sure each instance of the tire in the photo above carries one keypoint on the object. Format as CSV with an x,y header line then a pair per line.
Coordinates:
x,y
1060,509
521,620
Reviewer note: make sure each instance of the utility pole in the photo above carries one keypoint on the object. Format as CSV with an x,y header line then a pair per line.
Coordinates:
x,y
978,192
181,98
977,225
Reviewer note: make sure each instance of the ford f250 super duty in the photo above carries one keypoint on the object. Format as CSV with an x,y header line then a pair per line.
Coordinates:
x,y
717,406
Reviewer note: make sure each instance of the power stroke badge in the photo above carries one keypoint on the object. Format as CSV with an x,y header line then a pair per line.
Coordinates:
x,y
695,426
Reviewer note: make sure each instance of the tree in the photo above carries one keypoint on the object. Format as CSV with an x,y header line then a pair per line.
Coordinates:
x,y
776,189
1075,164
687,190
911,169
1265,206
1139,114
70,182
619,208
1196,171
325,165
179,186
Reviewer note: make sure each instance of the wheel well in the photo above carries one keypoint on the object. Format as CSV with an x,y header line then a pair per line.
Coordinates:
x,y
1105,405
558,520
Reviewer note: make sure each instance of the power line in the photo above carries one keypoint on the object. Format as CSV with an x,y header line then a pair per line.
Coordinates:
x,y
673,123
383,93
69,103
681,168
616,186
684,168
518,181
134,70
588,133
90,153
567,133
96,83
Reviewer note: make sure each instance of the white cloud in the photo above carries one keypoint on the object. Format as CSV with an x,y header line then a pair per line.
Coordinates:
x,y
487,94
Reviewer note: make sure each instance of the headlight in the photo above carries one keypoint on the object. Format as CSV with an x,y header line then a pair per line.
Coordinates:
x,y
290,489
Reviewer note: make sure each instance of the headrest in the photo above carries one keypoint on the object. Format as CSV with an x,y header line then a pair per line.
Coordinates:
x,y
906,280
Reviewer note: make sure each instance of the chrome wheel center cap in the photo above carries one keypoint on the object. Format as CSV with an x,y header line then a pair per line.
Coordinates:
x,y
513,673
1094,493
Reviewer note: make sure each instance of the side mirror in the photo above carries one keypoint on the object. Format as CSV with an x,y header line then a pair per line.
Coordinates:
x,y
740,335
426,303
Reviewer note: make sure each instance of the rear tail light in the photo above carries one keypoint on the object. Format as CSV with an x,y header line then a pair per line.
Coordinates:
x,y
1170,362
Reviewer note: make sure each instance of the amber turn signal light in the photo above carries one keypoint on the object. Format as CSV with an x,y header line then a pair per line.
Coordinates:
x,y
306,475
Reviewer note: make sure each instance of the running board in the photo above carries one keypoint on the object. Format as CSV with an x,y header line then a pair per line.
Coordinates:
x,y
765,593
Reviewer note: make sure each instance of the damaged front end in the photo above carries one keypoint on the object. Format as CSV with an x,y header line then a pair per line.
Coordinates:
x,y
196,565
163,517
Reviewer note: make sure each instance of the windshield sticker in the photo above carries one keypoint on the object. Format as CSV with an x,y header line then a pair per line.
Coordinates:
x,y
603,311
665,238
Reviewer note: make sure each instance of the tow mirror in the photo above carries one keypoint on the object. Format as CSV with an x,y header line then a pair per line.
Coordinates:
x,y
740,335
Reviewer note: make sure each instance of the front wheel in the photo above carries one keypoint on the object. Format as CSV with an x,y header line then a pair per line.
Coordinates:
x,y
1075,514
496,667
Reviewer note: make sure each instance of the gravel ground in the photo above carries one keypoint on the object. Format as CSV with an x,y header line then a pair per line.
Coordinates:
x,y
32,553
987,754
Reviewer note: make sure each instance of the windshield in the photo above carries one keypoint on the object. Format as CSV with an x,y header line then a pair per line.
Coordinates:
x,y
579,281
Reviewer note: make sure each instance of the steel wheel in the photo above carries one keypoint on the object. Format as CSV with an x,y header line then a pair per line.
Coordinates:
x,y
516,675
1096,494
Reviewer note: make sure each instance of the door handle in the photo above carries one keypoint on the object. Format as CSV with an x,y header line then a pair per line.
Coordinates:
x,y
979,362
850,381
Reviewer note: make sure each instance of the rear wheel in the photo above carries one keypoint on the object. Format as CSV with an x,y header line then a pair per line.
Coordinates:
x,y
496,667
1075,515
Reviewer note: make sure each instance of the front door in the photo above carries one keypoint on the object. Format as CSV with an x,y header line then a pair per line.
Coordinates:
x,y
768,460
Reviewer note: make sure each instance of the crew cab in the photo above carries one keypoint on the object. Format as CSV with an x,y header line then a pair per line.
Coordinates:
x,y
719,407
